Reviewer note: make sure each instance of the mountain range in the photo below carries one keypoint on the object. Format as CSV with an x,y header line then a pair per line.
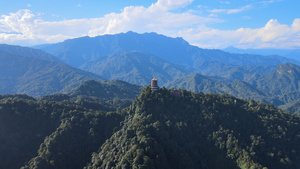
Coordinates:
x,y
36,73
75,107
158,130
278,88
137,58
79,51
134,67
210,84
288,53
106,90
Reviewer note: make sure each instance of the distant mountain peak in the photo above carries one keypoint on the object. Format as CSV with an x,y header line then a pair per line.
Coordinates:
x,y
288,68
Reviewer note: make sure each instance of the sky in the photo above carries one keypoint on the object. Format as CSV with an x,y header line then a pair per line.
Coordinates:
x,y
212,24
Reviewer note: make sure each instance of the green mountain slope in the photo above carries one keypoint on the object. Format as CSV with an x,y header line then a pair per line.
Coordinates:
x,y
49,134
279,87
36,77
288,53
283,82
210,84
245,73
25,51
293,107
134,67
159,130
76,52
199,83
106,89
201,131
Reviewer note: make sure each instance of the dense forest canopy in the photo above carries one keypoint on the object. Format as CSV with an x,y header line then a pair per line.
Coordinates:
x,y
158,130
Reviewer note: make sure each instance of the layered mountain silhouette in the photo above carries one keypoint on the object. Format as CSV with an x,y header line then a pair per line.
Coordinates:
x,y
137,58
106,90
29,52
278,88
79,51
293,107
33,72
211,84
134,67
283,82
76,119
288,53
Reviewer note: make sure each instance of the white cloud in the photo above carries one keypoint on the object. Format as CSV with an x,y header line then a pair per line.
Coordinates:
x,y
25,28
272,35
155,18
224,2
231,11
166,5
269,1
21,22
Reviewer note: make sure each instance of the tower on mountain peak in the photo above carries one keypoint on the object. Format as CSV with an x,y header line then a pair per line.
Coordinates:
x,y
154,86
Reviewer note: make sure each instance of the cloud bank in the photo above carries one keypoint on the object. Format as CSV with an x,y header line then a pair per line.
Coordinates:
x,y
231,11
272,35
26,28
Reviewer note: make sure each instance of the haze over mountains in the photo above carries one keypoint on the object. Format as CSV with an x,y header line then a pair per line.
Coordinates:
x,y
134,67
86,53
79,51
86,114
137,58
288,53
36,73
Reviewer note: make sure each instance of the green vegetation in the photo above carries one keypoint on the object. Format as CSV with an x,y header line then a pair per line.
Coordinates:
x,y
210,84
63,134
137,58
280,88
284,82
106,89
201,131
134,67
38,77
158,130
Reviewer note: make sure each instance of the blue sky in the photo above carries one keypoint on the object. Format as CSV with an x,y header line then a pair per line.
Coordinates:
x,y
207,24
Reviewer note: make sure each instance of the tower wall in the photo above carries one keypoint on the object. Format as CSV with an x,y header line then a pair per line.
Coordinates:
x,y
154,84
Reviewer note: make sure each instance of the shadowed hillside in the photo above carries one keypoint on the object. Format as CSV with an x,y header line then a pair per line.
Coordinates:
x,y
36,77
159,130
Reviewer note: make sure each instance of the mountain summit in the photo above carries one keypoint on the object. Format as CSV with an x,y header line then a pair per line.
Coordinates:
x,y
76,52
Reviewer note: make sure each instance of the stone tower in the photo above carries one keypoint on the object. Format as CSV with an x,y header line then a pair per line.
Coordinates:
x,y
154,86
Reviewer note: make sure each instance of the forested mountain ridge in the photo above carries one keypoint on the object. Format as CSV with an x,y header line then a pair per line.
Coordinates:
x,y
285,79
40,74
283,83
278,88
106,90
37,77
75,128
26,51
201,131
159,130
78,51
134,67
288,53
210,84
293,107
